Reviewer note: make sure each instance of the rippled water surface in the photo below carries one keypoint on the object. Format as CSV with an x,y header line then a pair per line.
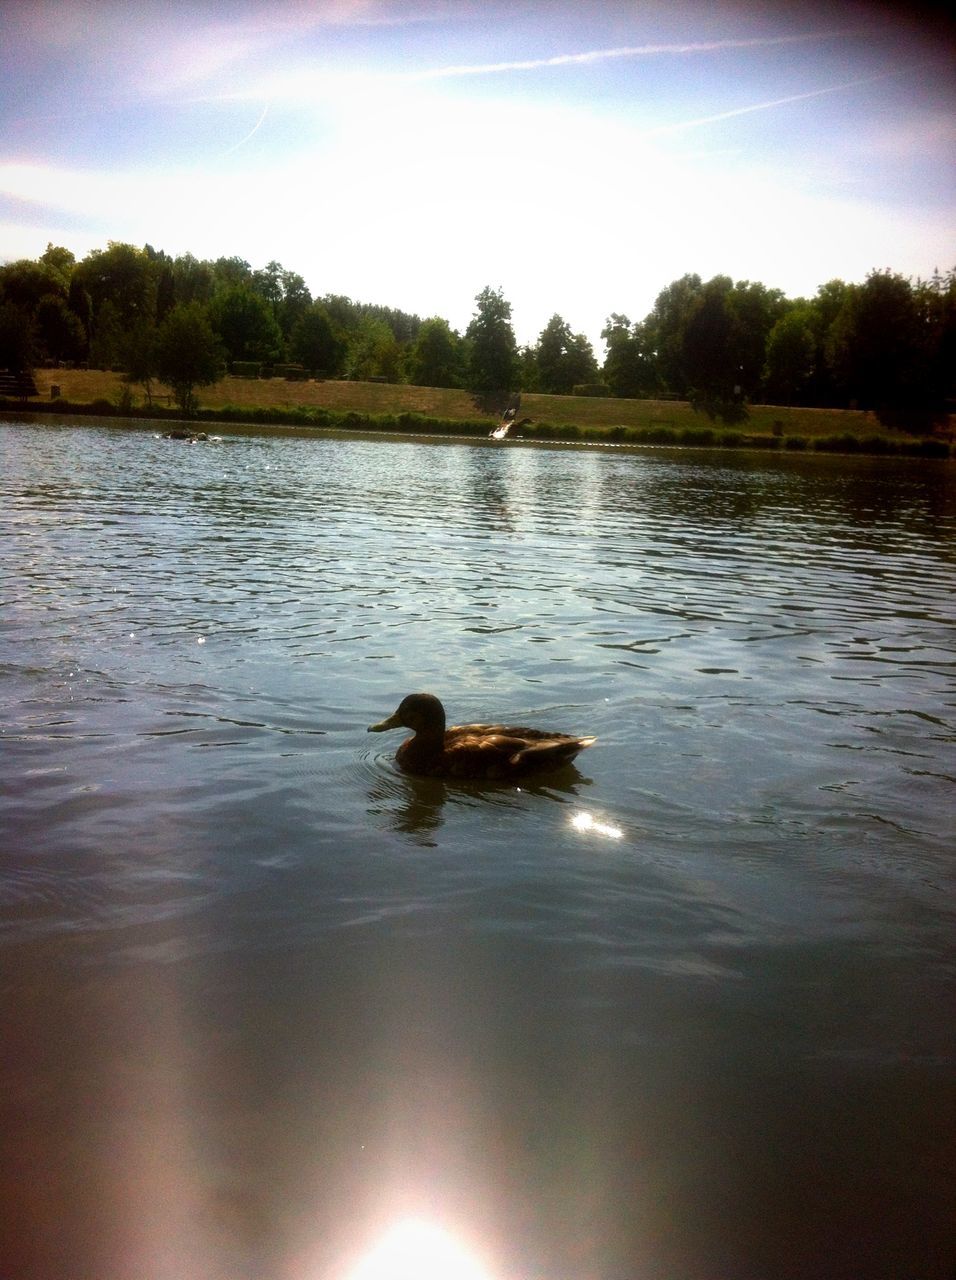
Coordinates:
x,y
681,1012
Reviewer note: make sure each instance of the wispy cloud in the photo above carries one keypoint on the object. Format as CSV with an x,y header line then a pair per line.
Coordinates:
x,y
311,83
255,128
592,56
680,125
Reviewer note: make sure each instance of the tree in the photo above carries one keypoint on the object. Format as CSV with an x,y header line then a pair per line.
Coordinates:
x,y
246,325
708,346
17,338
875,343
188,353
107,336
755,309
124,276
790,352
373,352
60,331
59,261
193,281
493,348
629,366
81,305
140,354
315,343
823,308
664,329
526,368
296,300
230,272
436,358
564,359
936,306
24,283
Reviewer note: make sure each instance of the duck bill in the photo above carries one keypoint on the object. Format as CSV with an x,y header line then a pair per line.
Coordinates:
x,y
392,722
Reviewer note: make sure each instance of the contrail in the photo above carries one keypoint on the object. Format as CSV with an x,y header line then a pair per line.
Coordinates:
x,y
604,55
765,106
242,141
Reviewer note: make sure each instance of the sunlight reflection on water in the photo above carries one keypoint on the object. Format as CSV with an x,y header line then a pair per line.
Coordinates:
x,y
680,1010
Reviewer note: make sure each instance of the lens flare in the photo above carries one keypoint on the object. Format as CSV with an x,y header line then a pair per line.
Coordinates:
x,y
415,1250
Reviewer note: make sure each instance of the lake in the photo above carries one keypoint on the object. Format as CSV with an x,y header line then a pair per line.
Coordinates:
x,y
274,1011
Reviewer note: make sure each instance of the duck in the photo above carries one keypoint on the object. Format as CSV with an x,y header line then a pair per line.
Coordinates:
x,y
508,419
191,437
477,751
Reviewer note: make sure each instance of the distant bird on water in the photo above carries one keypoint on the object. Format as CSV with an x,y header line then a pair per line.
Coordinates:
x,y
491,751
508,418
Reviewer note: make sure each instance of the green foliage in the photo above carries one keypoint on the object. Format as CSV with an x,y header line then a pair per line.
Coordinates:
x,y
665,328
139,353
107,337
493,350
296,301
315,343
709,343
629,367
790,352
754,310
875,343
123,276
436,359
563,358
526,369
347,315
246,326
230,272
59,330
887,344
60,262
192,281
373,352
188,353
696,436
18,347
125,401
24,283
81,305
936,306
245,368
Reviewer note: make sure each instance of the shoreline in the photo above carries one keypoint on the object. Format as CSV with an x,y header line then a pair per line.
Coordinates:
x,y
408,426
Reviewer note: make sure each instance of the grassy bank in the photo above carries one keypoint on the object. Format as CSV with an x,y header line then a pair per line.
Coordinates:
x,y
397,407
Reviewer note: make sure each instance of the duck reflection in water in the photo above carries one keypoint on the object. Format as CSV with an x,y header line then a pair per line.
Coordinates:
x,y
415,806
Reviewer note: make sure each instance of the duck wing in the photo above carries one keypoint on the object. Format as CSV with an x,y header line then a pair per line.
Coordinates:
x,y
491,750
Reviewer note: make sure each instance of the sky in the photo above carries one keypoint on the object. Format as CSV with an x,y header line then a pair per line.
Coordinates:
x,y
411,152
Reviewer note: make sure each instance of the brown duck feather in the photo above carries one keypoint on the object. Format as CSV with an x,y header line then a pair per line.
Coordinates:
x,y
492,751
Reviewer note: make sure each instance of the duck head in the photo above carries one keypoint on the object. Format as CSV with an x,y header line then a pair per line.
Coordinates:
x,y
420,712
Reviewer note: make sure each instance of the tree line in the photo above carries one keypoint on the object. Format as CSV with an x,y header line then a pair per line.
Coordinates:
x,y
887,344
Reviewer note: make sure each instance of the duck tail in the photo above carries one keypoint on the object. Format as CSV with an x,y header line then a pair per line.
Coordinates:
x,y
551,751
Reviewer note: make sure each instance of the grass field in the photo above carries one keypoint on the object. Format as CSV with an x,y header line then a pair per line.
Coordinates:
x,y
594,416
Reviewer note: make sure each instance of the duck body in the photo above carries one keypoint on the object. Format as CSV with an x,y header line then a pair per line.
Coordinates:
x,y
482,751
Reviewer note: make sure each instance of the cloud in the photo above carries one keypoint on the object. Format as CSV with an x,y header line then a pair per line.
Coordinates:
x,y
255,128
680,125
312,83
605,55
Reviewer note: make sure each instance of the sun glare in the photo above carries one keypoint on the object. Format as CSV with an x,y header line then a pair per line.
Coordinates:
x,y
415,1250
584,821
